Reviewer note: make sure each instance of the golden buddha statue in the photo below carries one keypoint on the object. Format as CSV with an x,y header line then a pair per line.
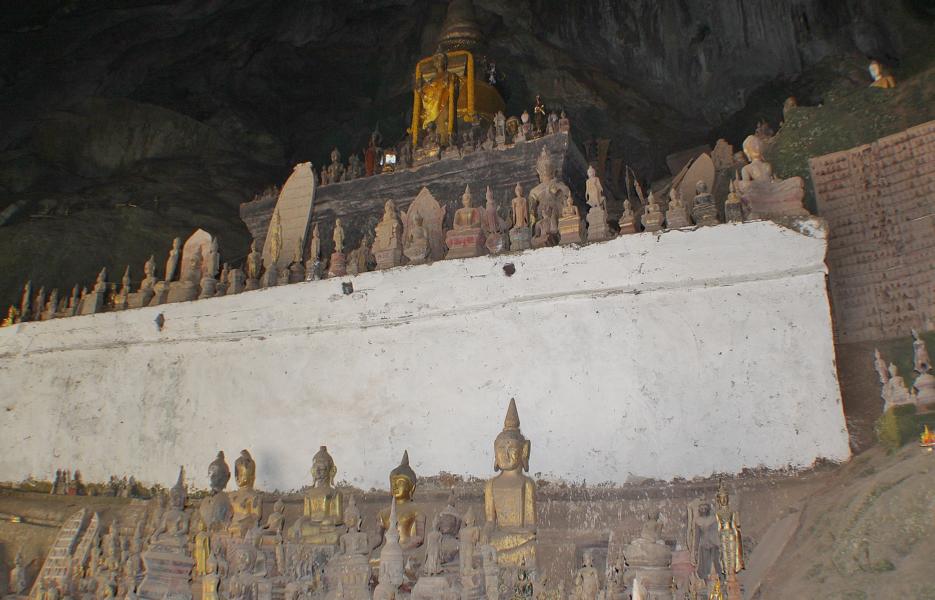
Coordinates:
x,y
246,505
202,549
882,78
728,525
323,506
445,91
510,497
410,519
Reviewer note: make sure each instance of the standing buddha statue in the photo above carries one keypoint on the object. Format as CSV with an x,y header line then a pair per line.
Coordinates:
x,y
323,505
411,519
510,497
728,525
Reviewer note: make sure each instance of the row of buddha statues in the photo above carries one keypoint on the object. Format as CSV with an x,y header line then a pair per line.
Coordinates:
x,y
546,216
228,546
503,132
893,388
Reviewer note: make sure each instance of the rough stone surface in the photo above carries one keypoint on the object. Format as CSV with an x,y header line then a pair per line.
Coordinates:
x,y
879,200
284,370
294,204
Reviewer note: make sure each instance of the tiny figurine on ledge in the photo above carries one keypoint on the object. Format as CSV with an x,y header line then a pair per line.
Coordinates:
x,y
466,238
882,78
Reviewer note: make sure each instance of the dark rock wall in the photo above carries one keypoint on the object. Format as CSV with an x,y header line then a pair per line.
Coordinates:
x,y
182,110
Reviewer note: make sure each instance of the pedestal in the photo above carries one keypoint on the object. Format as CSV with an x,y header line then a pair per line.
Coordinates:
x,y
571,230
167,572
497,243
270,277
652,221
598,230
140,299
676,218
337,267
628,224
92,303
925,390
387,259
520,238
417,252
313,270
209,287
465,243
160,293
431,588
296,273
182,291
251,284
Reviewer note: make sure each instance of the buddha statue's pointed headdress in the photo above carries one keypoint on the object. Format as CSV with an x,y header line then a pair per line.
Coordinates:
x,y
404,470
511,432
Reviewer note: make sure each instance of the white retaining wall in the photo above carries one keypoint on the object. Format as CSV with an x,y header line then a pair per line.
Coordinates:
x,y
680,354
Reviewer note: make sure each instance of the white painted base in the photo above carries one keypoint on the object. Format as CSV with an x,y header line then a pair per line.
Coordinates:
x,y
680,354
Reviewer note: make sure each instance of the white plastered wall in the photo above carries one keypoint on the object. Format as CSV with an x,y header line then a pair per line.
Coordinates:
x,y
680,354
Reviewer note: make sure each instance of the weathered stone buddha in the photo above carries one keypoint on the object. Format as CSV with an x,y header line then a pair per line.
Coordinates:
x,y
763,194
676,215
417,246
410,517
253,267
466,238
323,507
597,211
334,172
437,97
493,226
216,510
627,222
172,530
246,504
649,559
733,206
387,243
520,233
652,217
337,264
704,210
510,497
587,581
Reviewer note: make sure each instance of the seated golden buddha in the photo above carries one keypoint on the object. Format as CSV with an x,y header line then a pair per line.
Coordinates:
x,y
410,518
510,497
246,504
446,91
323,508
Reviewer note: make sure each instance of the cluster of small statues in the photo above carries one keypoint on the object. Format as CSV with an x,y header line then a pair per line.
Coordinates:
x,y
893,388
230,545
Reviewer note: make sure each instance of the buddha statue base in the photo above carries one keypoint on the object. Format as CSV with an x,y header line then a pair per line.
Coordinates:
x,y
209,288
778,198
387,259
432,588
417,252
598,230
652,221
733,211
182,291
514,548
296,273
305,531
520,238
497,243
627,224
676,218
571,230
92,303
337,266
140,299
160,293
167,572
421,156
925,389
270,277
251,284
465,243
705,215
348,577
215,512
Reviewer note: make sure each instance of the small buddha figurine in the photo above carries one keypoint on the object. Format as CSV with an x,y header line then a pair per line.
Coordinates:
x,y
172,263
510,497
466,238
172,530
254,263
728,524
520,208
433,550
493,226
411,518
246,504
882,78
468,537
704,210
539,116
338,237
210,581
335,170
653,217
201,550
416,246
277,519
570,225
149,274
387,243
323,505
676,216
762,193
733,206
587,581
